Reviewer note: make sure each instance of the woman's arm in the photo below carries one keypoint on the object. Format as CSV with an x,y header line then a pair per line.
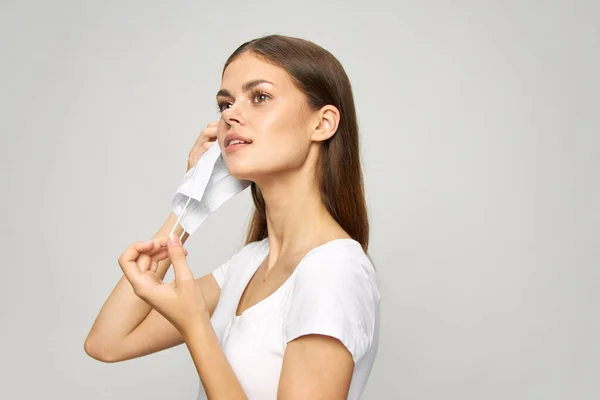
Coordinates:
x,y
330,324
315,367
155,333
215,372
123,311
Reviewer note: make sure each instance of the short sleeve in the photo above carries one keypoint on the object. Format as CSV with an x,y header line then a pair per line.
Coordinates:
x,y
220,273
223,271
332,296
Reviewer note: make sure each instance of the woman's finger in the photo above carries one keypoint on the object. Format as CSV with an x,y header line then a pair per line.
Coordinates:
x,y
154,265
163,254
134,250
132,272
210,134
160,244
205,135
177,253
144,261
160,256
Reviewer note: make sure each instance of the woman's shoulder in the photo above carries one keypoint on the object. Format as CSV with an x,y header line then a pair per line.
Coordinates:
x,y
336,293
339,262
344,253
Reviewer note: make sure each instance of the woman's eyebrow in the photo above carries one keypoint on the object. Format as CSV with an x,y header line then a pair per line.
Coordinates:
x,y
246,87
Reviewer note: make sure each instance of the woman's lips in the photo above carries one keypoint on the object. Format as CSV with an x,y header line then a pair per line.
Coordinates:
x,y
235,147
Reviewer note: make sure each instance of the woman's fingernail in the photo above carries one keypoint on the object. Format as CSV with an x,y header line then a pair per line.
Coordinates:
x,y
173,239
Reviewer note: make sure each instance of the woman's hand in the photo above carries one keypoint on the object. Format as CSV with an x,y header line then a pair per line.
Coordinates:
x,y
207,138
146,255
179,301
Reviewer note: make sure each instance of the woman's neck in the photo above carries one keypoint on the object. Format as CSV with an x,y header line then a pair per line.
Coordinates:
x,y
297,219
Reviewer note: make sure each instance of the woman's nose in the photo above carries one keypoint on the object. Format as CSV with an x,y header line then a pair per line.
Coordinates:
x,y
233,115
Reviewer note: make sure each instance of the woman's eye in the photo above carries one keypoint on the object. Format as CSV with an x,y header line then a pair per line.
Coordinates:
x,y
222,106
256,98
261,97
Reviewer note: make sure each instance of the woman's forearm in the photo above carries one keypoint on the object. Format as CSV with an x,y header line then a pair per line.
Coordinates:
x,y
123,310
217,376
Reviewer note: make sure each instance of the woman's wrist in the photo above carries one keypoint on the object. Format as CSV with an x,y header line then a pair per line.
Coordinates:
x,y
196,326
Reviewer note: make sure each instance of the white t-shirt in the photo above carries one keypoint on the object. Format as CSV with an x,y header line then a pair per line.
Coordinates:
x,y
333,291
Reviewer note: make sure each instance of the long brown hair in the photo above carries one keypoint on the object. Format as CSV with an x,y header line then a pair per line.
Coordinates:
x,y
321,77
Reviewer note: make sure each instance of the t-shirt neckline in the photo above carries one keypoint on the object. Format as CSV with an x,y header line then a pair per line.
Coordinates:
x,y
264,251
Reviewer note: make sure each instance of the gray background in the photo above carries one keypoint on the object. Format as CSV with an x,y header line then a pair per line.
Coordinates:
x,y
479,124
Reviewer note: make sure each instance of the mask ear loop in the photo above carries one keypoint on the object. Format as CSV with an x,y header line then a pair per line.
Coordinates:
x,y
178,219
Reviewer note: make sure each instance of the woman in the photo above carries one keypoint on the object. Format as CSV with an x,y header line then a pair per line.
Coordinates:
x,y
294,314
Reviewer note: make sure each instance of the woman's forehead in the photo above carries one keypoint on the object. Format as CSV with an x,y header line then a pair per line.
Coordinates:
x,y
249,67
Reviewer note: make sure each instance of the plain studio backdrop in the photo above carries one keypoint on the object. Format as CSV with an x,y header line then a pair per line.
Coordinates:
x,y
479,126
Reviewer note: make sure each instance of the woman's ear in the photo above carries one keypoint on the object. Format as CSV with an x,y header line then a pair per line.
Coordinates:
x,y
327,122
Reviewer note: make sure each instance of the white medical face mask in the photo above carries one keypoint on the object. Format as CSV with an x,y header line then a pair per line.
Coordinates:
x,y
203,189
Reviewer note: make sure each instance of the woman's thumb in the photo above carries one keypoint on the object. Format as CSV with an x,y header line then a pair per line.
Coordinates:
x,y
175,247
177,254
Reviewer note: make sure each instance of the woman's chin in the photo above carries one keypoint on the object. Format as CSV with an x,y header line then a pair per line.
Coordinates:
x,y
240,174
